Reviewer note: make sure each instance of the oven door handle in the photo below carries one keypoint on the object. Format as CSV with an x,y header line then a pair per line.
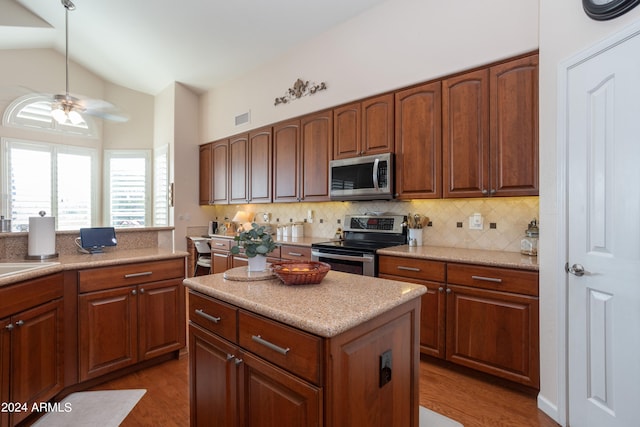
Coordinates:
x,y
363,258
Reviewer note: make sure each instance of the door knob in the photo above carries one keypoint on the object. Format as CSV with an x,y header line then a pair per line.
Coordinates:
x,y
575,269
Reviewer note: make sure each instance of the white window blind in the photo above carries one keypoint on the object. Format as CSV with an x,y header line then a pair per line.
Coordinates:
x,y
59,180
161,186
128,192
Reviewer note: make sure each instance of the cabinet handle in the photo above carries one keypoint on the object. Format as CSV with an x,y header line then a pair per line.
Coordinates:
x,y
294,254
219,244
144,273
134,292
238,361
440,289
201,313
448,290
260,340
485,192
493,191
20,323
487,279
401,267
9,326
142,290
230,356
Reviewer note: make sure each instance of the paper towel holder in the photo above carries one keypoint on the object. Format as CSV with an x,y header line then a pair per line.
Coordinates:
x,y
41,257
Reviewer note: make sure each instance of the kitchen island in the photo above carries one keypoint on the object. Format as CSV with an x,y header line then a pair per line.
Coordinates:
x,y
343,352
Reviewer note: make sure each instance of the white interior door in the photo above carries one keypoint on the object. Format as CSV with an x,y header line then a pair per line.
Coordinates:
x,y
603,186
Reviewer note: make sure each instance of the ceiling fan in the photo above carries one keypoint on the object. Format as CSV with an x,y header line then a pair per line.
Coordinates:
x,y
67,108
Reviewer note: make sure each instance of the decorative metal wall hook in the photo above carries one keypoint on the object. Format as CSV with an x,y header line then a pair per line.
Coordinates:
x,y
298,90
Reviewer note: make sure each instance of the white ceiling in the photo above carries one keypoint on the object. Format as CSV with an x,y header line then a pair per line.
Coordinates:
x,y
146,45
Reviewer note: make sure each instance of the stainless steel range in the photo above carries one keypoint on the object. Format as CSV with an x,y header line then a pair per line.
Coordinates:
x,y
363,236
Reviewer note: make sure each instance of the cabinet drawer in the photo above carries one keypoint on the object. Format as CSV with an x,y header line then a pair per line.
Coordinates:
x,y
215,316
412,268
500,279
289,348
220,244
295,252
129,274
30,293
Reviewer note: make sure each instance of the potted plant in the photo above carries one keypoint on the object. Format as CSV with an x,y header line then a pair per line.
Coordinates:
x,y
257,243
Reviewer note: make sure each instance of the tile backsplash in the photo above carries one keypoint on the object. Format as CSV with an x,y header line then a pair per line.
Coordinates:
x,y
510,215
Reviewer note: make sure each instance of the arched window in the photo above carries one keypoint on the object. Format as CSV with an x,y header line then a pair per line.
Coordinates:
x,y
34,112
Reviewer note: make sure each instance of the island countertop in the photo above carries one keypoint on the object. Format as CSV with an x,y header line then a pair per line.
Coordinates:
x,y
340,302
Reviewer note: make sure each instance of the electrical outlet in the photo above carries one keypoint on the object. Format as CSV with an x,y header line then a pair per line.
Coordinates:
x,y
385,367
310,216
476,222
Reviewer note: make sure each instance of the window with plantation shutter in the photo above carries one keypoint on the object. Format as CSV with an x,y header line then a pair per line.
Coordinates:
x,y
128,189
161,186
59,180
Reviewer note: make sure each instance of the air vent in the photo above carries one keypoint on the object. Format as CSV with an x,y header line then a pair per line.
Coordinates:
x,y
243,118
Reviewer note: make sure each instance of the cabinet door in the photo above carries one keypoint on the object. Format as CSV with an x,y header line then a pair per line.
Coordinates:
x,y
465,135
259,167
161,318
5,367
286,162
377,125
206,175
514,127
432,321
346,131
220,165
316,139
284,400
108,331
37,355
238,154
213,380
239,261
495,332
418,142
219,262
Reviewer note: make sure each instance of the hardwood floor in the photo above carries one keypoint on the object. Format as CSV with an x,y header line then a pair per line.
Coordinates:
x,y
471,398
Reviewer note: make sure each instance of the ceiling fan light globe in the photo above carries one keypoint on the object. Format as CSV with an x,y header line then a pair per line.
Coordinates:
x,y
59,115
75,117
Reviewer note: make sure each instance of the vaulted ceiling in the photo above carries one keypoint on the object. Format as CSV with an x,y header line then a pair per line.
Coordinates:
x,y
146,45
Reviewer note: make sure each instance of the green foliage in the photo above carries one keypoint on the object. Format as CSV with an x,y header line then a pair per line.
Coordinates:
x,y
255,242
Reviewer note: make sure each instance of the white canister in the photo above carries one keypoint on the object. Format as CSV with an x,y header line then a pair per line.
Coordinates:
x,y
297,229
286,230
415,235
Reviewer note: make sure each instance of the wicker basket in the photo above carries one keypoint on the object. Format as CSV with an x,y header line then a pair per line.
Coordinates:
x,y
300,273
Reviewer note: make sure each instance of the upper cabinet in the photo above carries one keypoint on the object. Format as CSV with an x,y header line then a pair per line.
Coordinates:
x,y
220,172
259,165
418,142
363,128
206,175
301,154
238,183
490,131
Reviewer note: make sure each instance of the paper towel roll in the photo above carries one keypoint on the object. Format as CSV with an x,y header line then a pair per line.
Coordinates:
x,y
42,237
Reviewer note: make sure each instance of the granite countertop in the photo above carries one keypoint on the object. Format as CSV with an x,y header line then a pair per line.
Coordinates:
x,y
469,256
340,302
81,261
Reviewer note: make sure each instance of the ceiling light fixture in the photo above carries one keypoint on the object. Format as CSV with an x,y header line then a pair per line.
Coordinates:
x,y
63,110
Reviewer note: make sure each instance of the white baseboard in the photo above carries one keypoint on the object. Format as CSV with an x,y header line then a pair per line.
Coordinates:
x,y
550,409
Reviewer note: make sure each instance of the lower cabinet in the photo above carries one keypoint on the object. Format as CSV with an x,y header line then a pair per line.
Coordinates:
x,y
247,370
485,318
128,314
31,346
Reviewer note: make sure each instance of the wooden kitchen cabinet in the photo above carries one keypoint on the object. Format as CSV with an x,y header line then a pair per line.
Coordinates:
x,y
238,171
490,131
245,369
205,173
492,321
31,344
230,386
302,149
431,274
364,128
418,142
295,252
485,318
120,310
259,165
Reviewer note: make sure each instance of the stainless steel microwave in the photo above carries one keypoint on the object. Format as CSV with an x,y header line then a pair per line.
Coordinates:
x,y
362,178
